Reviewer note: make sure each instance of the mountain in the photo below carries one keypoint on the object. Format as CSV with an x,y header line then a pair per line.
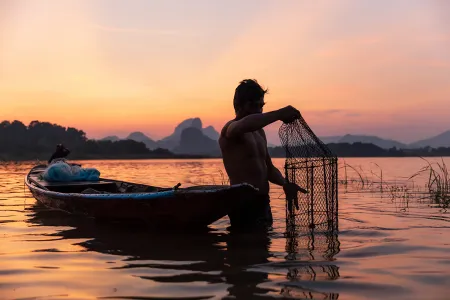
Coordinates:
x,y
330,139
193,141
172,141
382,143
211,133
440,140
350,138
112,138
140,137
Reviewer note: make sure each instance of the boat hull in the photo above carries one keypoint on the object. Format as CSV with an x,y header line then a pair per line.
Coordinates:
x,y
171,208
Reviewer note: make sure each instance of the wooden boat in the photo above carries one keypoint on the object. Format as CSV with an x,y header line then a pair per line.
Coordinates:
x,y
108,199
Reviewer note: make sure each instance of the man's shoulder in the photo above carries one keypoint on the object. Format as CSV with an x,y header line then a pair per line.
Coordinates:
x,y
225,128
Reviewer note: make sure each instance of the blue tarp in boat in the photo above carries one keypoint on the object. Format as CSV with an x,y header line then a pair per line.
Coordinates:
x,y
62,171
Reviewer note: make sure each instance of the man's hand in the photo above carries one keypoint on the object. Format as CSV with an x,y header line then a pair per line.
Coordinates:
x,y
288,114
291,190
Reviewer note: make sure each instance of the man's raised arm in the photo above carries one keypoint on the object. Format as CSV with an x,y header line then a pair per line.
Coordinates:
x,y
255,122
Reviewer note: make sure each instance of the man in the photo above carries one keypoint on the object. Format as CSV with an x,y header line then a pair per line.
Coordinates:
x,y
245,155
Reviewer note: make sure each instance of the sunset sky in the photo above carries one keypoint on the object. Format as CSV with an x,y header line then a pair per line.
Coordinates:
x,y
112,67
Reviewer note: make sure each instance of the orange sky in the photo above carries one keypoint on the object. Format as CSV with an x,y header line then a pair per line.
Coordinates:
x,y
111,67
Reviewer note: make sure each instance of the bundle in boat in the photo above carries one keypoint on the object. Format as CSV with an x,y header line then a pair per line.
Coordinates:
x,y
313,166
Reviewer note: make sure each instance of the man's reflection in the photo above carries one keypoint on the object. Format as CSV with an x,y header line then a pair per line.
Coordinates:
x,y
244,251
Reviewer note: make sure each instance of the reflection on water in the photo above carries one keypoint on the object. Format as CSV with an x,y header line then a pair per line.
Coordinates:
x,y
210,257
309,247
380,252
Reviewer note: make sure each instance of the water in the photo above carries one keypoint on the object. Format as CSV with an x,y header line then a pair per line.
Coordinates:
x,y
385,249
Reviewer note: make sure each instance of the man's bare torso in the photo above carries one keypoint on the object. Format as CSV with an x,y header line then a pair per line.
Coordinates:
x,y
245,158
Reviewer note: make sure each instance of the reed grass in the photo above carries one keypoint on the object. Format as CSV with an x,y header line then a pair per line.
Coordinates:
x,y
438,184
435,191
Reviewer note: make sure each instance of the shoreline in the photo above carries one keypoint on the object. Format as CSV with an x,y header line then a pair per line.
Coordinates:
x,y
44,161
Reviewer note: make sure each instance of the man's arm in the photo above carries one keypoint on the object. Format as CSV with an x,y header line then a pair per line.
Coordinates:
x,y
251,123
256,122
274,175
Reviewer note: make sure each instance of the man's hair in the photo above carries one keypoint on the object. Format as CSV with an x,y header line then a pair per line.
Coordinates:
x,y
248,90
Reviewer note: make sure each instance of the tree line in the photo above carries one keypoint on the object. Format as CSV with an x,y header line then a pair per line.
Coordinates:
x,y
38,141
359,149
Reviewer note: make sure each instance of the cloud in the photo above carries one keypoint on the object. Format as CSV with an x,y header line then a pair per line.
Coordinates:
x,y
353,115
333,112
145,31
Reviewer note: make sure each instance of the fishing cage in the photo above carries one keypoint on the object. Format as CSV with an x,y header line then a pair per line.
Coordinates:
x,y
311,165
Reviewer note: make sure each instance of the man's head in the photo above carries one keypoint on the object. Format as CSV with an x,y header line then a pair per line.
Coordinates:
x,y
248,97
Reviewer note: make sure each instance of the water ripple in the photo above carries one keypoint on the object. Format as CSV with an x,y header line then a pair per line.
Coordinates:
x,y
382,250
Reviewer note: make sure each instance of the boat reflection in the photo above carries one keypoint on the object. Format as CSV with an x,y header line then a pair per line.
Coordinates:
x,y
237,260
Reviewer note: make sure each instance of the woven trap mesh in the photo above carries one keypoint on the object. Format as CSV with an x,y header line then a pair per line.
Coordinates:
x,y
311,165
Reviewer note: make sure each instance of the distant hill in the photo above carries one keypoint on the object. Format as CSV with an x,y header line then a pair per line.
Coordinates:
x,y
37,141
211,132
193,141
112,138
330,139
440,140
350,139
382,143
172,141
140,137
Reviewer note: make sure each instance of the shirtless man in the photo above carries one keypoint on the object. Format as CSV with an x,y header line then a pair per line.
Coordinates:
x,y
246,159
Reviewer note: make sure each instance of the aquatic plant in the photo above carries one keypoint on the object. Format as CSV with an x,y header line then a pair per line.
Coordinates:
x,y
438,184
402,190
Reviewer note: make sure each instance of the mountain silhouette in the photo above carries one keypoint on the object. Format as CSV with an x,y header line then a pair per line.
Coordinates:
x,y
330,139
140,137
382,143
440,140
211,133
112,138
172,141
370,139
193,141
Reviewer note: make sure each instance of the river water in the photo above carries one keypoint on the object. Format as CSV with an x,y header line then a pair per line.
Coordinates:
x,y
389,245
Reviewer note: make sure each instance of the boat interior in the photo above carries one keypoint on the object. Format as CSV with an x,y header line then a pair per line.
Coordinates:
x,y
91,187
104,185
